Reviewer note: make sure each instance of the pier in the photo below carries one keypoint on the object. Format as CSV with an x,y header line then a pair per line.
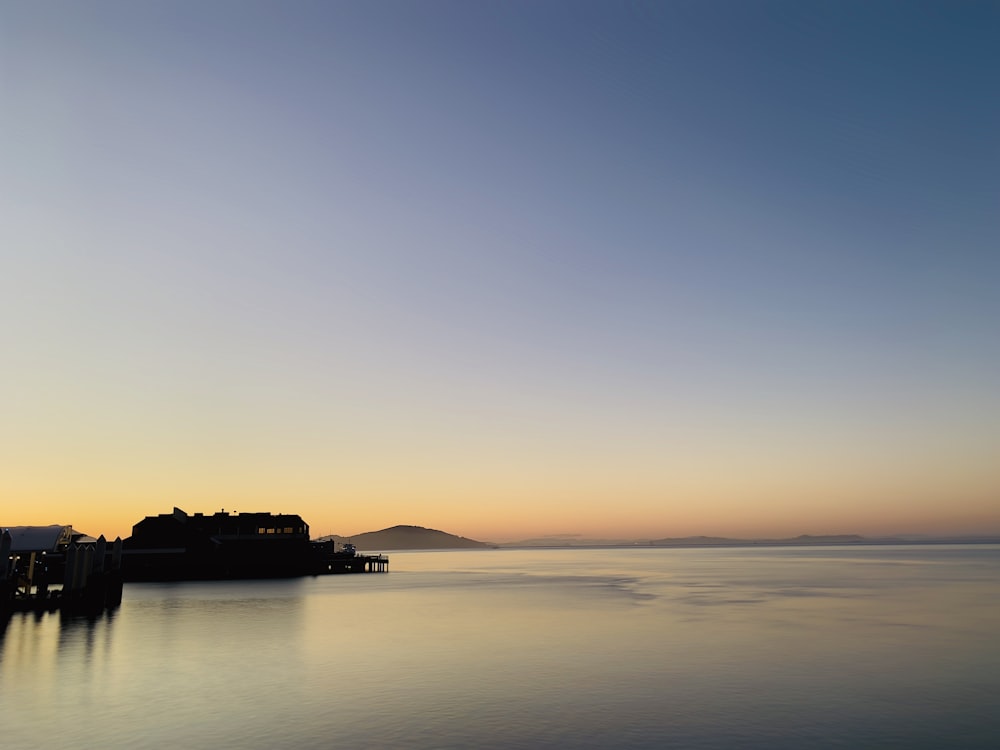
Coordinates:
x,y
347,560
44,569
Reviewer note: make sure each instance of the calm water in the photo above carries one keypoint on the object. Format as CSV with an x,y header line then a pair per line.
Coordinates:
x,y
635,648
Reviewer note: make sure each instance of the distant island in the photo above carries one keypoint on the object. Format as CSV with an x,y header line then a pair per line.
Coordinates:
x,y
420,538
408,537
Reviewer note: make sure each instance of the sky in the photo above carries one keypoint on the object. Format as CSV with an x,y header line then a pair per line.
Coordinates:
x,y
504,269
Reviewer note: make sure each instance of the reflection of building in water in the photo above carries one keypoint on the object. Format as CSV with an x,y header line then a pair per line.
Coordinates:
x,y
179,546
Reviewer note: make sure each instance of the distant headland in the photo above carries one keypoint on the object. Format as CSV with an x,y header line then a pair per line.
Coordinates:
x,y
407,537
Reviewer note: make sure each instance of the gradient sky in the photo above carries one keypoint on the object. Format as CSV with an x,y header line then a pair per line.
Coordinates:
x,y
505,269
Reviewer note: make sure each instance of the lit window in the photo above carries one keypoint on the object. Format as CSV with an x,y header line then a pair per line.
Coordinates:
x,y
289,530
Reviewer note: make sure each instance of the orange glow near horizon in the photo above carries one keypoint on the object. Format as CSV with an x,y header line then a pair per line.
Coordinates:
x,y
511,514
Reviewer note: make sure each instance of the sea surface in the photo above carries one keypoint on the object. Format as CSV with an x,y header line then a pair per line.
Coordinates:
x,y
822,647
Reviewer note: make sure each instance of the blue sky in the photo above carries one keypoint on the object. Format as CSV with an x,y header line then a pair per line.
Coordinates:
x,y
503,268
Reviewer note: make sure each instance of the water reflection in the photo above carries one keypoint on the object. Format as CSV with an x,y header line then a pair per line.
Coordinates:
x,y
78,635
73,630
50,662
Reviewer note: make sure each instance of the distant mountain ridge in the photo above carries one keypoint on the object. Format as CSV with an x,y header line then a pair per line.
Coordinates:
x,y
574,540
405,537
717,541
408,537
804,540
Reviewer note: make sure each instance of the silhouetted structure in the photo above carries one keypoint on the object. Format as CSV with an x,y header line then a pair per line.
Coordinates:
x,y
177,546
49,568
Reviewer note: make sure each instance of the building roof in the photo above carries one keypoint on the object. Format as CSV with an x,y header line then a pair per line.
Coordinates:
x,y
39,538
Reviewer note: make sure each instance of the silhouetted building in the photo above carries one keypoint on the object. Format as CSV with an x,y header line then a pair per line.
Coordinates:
x,y
178,546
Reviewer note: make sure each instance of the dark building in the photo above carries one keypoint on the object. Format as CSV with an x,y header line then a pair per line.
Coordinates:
x,y
178,546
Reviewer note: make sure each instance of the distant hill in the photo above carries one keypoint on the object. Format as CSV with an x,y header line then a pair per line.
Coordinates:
x,y
575,540
715,541
409,537
571,540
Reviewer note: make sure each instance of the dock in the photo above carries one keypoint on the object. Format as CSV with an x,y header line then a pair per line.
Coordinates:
x,y
75,577
329,561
